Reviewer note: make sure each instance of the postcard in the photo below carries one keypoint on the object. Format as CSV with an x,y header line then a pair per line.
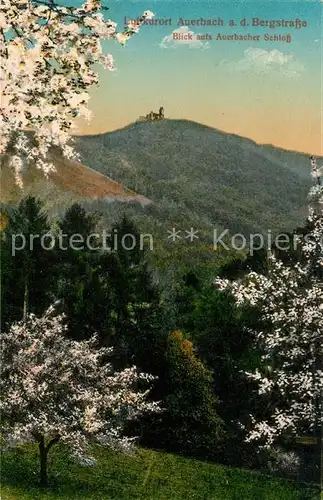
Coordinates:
x,y
161,226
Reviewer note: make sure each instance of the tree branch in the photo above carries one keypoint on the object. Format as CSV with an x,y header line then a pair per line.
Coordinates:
x,y
52,442
38,437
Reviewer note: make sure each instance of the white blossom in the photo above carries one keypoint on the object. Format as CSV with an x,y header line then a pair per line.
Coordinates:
x,y
290,300
47,57
53,387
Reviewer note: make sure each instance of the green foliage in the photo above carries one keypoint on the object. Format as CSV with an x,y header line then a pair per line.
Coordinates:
x,y
77,221
220,332
137,318
82,297
110,292
190,423
238,266
28,273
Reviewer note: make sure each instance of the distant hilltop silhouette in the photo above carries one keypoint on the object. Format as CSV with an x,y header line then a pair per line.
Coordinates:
x,y
153,116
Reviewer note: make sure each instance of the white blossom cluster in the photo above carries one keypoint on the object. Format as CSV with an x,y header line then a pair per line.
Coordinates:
x,y
55,388
290,299
47,53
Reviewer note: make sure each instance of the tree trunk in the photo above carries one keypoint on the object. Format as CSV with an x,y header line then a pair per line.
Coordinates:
x,y
43,453
43,463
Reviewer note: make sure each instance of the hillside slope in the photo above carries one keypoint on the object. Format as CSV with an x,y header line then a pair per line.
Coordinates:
x,y
148,475
191,170
71,181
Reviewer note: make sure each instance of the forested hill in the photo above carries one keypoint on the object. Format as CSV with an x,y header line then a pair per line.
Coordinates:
x,y
203,173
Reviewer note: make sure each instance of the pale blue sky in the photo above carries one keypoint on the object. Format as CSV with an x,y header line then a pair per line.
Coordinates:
x,y
267,90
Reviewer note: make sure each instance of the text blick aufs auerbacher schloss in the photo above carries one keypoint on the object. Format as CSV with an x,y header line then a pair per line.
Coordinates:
x,y
286,28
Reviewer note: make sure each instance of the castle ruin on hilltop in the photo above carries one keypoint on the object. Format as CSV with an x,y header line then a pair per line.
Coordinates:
x,y
153,116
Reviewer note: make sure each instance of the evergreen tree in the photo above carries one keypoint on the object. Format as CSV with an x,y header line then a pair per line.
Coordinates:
x,y
83,299
27,262
138,319
189,423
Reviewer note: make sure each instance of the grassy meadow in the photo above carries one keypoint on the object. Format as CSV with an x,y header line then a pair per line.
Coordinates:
x,y
148,475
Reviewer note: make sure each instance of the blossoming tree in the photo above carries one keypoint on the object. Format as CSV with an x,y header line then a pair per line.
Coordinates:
x,y
55,390
47,55
290,299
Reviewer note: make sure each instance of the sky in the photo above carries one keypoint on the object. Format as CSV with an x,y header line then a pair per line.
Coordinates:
x,y
267,90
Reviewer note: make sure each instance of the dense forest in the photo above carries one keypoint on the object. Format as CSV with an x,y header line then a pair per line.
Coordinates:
x,y
194,337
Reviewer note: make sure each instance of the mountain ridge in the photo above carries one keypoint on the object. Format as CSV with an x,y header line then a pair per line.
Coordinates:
x,y
192,122
188,174
205,173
